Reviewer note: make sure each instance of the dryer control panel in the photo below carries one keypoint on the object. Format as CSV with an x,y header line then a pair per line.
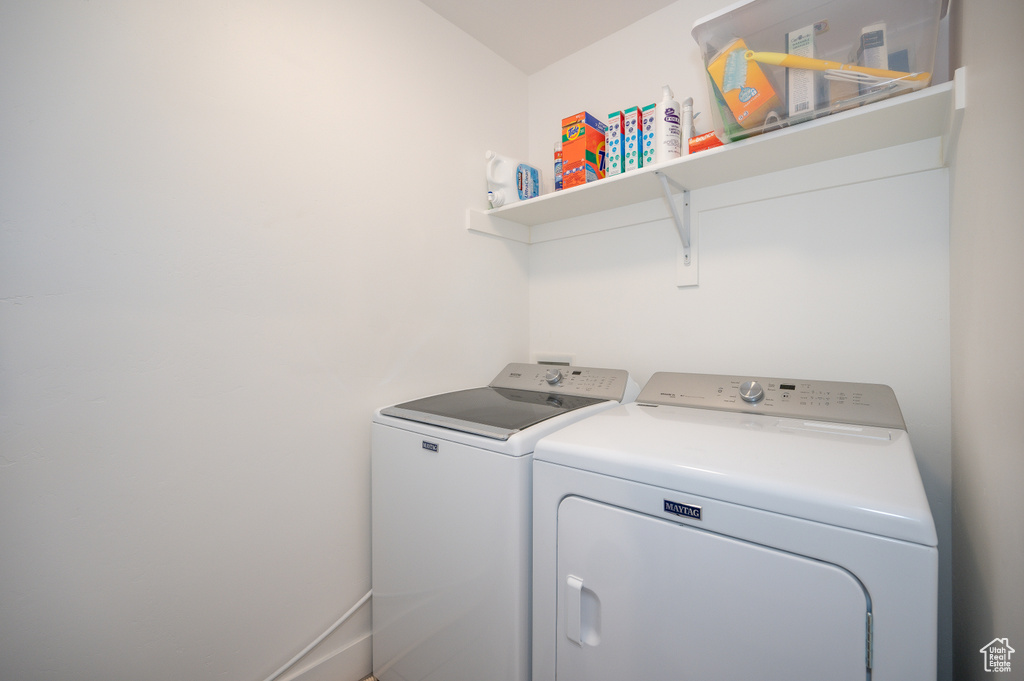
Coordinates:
x,y
605,384
865,404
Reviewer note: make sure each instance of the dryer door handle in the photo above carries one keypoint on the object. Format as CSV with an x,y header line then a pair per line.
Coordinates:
x,y
573,609
582,613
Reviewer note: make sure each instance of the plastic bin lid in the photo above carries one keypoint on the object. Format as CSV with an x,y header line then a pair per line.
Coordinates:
x,y
774,10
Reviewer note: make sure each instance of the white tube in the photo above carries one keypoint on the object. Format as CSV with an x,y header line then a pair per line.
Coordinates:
x,y
320,638
687,124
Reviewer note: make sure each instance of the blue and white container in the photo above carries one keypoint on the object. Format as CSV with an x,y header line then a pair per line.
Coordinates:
x,y
509,181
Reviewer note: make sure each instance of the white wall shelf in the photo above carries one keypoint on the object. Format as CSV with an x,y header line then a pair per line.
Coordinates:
x,y
933,112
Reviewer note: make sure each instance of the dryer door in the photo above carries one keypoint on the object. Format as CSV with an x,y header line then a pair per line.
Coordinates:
x,y
643,597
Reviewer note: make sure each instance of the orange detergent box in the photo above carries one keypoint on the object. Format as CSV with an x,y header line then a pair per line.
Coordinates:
x,y
583,150
743,85
707,140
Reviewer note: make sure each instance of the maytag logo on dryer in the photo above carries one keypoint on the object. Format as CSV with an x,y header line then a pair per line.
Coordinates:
x,y
684,510
431,446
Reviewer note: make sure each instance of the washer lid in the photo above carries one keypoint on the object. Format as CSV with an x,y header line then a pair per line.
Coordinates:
x,y
496,413
863,478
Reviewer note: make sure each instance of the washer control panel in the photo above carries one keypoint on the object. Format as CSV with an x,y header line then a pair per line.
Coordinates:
x,y
866,404
605,384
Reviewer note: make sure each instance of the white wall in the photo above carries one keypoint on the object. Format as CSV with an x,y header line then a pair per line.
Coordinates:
x,y
988,340
848,283
228,231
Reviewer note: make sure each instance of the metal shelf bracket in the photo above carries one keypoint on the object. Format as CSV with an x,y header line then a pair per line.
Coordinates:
x,y
683,221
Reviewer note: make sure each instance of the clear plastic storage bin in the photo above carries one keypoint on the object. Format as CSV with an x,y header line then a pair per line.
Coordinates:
x,y
772,63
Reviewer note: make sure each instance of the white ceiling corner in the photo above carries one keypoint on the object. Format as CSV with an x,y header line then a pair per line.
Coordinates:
x,y
533,34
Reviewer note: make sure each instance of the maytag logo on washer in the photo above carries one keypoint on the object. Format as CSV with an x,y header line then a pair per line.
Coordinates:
x,y
684,510
429,445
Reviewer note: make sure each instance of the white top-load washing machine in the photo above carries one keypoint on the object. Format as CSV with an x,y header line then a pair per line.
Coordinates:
x,y
451,504
724,527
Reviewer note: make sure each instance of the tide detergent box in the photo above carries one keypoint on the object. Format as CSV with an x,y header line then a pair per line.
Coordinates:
x,y
583,150
743,85
613,155
631,138
647,116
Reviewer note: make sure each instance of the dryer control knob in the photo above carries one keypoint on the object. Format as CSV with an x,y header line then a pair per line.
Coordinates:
x,y
553,376
752,392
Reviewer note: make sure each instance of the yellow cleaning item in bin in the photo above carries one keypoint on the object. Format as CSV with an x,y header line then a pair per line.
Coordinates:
x,y
861,74
743,85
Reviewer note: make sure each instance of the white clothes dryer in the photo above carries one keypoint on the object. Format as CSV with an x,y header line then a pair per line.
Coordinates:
x,y
723,527
451,504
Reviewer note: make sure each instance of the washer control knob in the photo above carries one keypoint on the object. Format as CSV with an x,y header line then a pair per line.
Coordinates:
x,y
553,376
752,392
